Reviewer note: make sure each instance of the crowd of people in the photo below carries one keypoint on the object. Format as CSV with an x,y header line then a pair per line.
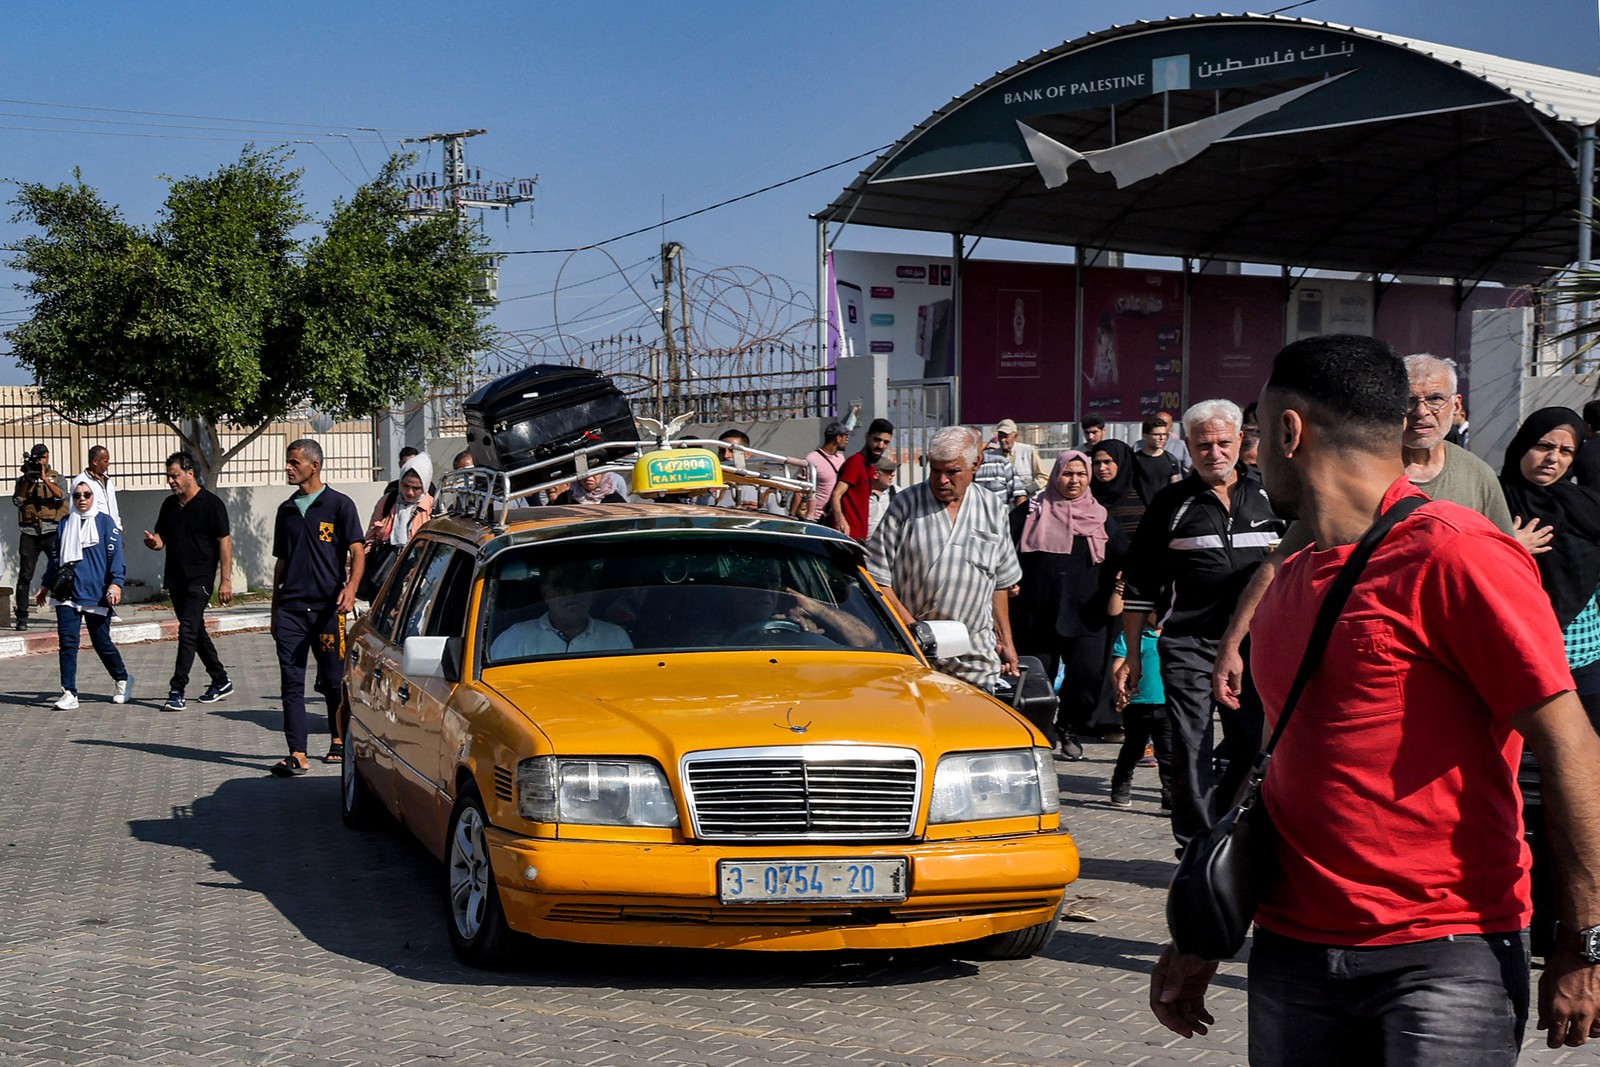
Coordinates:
x,y
1169,587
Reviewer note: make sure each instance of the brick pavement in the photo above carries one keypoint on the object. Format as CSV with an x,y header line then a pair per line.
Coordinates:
x,y
163,900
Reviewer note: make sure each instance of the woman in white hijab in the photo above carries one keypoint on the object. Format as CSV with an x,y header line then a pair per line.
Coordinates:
x,y
400,515
396,520
84,583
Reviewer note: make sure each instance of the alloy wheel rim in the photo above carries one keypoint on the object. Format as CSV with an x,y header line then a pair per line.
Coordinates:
x,y
469,873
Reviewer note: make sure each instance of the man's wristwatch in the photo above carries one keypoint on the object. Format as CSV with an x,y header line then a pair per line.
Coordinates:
x,y
1585,942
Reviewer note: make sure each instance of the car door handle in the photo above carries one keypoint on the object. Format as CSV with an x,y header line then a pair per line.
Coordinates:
x,y
405,692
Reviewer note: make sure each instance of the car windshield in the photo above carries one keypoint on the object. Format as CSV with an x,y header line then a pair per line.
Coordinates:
x,y
677,594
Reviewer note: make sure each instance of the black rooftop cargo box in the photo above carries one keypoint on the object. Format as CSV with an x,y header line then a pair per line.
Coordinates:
x,y
544,411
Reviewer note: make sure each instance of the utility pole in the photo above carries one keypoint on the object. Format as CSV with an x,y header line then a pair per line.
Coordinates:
x,y
671,254
455,192
460,190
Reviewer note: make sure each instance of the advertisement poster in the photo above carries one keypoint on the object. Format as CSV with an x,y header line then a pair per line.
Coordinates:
x,y
1320,306
905,302
1235,328
1132,343
1016,341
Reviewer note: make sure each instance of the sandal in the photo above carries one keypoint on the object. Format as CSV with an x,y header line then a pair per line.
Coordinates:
x,y
335,753
289,767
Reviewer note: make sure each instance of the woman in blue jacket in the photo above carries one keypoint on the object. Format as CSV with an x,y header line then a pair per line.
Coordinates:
x,y
89,543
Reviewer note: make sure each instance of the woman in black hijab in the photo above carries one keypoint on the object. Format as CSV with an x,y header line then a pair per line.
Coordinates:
x,y
1115,483
1537,480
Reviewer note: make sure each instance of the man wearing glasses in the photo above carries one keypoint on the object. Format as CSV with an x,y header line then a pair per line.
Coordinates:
x,y
1442,470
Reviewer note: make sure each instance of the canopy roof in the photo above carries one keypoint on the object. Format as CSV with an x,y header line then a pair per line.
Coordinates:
x,y
1354,150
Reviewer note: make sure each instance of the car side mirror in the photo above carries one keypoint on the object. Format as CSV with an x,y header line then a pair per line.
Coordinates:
x,y
943,638
450,663
423,657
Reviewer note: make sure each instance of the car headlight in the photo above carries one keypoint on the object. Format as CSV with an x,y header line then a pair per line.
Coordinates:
x,y
596,792
968,786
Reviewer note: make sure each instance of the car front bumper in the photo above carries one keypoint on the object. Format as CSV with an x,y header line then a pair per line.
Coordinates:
x,y
667,895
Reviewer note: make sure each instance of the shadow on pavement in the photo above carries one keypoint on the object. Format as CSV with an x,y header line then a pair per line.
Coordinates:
x,y
1152,874
378,897
1073,943
255,761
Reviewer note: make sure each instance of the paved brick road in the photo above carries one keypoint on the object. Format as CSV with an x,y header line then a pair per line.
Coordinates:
x,y
163,900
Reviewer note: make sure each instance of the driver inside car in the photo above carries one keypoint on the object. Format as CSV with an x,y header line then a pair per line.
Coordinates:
x,y
761,608
567,626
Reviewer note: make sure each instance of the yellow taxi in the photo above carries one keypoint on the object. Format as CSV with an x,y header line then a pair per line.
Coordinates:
x,y
677,725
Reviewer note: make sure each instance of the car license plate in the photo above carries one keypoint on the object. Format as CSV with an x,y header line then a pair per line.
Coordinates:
x,y
766,881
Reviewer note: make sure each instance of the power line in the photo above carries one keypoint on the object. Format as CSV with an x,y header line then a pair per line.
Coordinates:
x,y
574,285
692,214
1290,7
152,125
206,118
158,136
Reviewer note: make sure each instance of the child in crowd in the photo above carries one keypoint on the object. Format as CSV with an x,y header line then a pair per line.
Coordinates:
x,y
1144,718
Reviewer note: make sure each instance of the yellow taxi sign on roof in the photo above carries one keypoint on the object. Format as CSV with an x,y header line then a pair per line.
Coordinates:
x,y
677,470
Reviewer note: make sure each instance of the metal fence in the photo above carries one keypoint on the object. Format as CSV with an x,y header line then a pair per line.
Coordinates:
x,y
756,382
140,446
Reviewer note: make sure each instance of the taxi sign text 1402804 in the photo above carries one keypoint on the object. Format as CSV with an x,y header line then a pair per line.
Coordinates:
x,y
765,881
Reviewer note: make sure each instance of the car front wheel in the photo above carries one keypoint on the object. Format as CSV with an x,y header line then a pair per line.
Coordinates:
x,y
1019,944
477,925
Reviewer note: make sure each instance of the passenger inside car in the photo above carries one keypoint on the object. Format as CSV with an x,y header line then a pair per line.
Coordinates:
x,y
565,625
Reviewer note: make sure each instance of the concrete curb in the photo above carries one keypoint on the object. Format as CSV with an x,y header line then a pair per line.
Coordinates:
x,y
136,632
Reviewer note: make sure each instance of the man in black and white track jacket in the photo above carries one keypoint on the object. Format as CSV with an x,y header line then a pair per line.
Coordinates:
x,y
1198,543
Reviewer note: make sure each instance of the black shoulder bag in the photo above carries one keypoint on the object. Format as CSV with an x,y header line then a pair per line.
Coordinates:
x,y
1222,873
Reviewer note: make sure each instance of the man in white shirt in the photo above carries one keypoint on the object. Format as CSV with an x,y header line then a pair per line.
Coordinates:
x,y
95,477
566,627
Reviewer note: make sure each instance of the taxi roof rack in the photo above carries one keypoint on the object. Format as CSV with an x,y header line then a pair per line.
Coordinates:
x,y
484,494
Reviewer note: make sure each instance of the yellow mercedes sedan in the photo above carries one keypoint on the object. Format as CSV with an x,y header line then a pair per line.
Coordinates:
x,y
673,725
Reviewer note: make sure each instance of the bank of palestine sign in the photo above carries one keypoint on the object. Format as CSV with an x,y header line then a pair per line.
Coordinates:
x,y
1319,78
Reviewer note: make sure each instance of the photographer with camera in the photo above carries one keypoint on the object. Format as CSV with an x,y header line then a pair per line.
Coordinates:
x,y
41,505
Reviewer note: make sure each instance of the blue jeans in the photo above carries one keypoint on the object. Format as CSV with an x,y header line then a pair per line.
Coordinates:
x,y
1461,1002
68,626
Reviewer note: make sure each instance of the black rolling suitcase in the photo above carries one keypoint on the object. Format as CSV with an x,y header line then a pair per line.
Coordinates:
x,y
544,411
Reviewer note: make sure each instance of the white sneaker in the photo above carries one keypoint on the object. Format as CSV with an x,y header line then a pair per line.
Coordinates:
x,y
124,691
68,701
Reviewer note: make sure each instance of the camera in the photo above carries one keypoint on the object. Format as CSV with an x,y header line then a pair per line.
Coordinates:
x,y
32,465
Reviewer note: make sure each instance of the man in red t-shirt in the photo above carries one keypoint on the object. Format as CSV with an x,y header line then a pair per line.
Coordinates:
x,y
852,493
1394,928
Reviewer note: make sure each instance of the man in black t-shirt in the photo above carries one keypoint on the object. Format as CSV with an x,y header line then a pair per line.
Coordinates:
x,y
193,523
1155,467
319,544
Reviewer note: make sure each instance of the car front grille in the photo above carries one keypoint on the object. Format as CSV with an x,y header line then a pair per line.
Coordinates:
x,y
803,793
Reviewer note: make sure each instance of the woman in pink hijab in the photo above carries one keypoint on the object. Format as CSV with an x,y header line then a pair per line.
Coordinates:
x,y
1071,552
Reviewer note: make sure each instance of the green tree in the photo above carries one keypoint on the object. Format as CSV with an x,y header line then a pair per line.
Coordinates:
x,y
222,313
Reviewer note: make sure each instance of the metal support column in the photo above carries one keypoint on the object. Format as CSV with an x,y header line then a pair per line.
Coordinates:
x,y
1585,196
1585,311
1184,399
957,241
824,304
1077,341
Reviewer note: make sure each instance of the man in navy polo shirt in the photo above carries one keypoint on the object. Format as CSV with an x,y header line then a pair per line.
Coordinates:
x,y
317,540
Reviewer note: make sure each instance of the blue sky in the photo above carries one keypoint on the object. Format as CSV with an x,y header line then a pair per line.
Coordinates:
x,y
626,111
